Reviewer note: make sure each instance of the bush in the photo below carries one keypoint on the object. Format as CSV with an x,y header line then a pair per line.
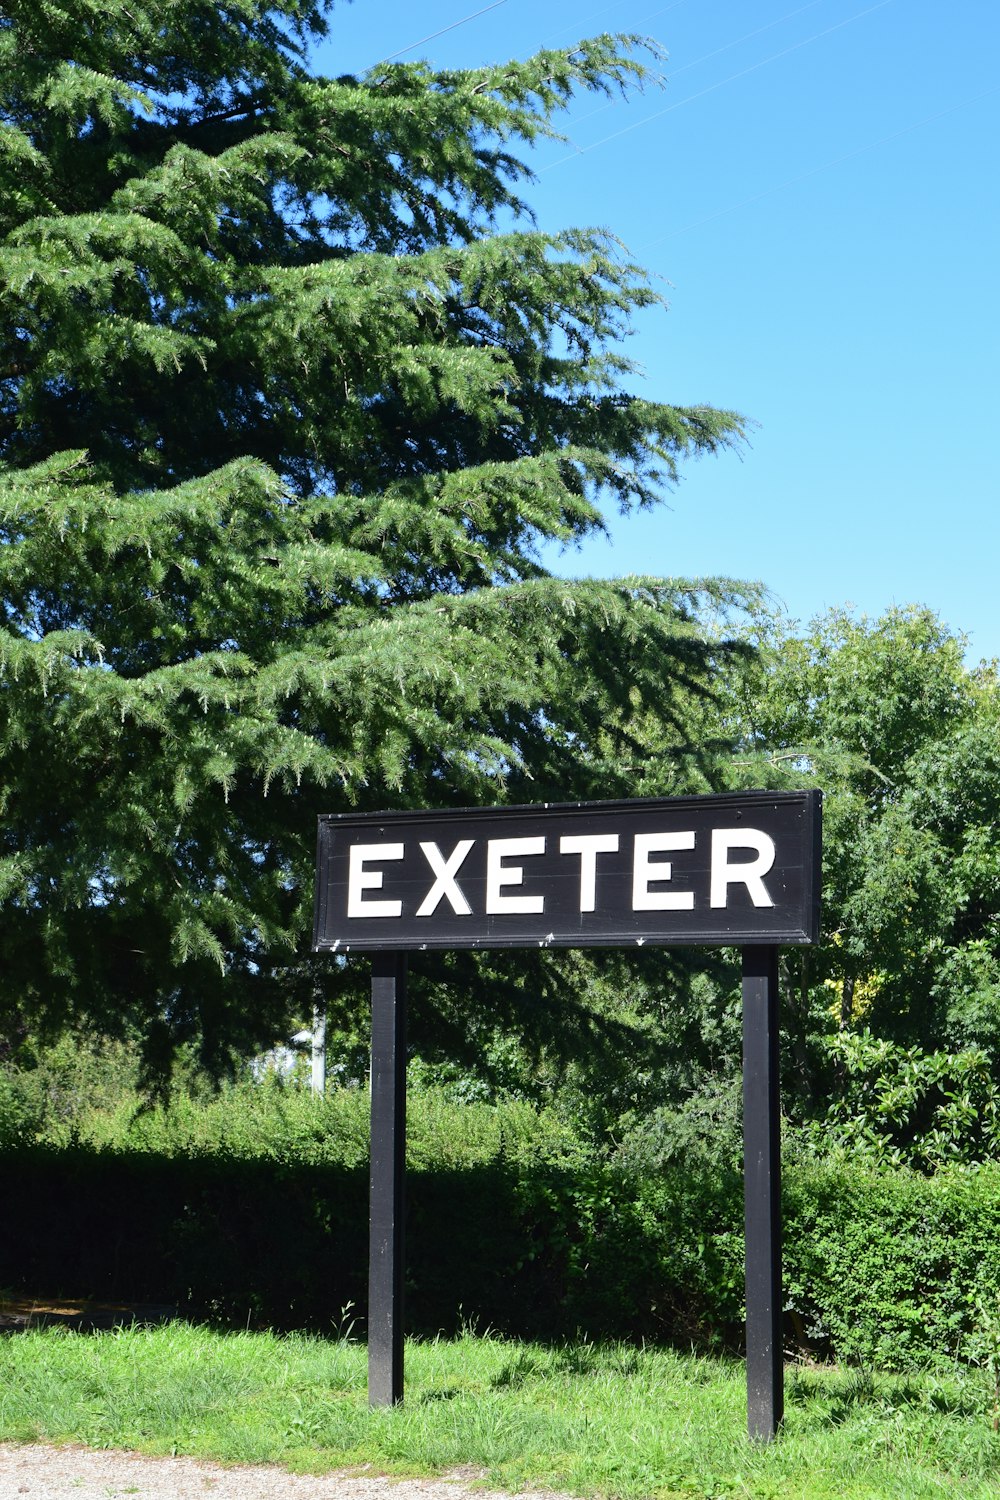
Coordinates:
x,y
22,1111
253,1203
886,1267
902,1106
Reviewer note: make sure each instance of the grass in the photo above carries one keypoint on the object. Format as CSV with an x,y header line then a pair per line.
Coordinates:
x,y
595,1420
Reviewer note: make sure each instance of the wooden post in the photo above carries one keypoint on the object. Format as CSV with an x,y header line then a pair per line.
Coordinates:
x,y
388,1168
762,1192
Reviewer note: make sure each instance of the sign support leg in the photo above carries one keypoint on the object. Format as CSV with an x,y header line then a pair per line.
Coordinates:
x,y
388,1167
762,1192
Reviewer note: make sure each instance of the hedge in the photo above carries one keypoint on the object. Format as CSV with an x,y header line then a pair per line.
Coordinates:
x,y
880,1267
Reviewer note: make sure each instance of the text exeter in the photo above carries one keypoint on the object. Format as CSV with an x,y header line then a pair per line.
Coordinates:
x,y
738,857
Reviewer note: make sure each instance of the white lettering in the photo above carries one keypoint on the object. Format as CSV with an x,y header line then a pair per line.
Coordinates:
x,y
497,876
645,871
724,840
445,885
360,880
588,846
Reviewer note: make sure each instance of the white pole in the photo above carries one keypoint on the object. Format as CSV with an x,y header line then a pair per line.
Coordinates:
x,y
318,1082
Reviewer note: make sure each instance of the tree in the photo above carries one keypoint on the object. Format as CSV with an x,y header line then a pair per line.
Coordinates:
x,y
902,735
900,1001
284,417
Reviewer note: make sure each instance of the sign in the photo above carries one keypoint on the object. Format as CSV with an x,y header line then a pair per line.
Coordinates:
x,y
716,870
720,871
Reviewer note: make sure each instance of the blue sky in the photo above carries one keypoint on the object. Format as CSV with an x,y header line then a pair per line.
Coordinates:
x,y
816,185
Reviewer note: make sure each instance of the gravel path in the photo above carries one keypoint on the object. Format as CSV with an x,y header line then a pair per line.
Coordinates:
x,y
41,1472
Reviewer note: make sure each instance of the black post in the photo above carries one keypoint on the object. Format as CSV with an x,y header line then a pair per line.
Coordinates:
x,y
388,1167
762,1192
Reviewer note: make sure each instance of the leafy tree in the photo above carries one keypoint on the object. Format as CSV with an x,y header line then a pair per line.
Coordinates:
x,y
290,393
903,736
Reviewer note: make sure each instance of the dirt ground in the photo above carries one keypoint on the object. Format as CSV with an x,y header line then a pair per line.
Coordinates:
x,y
41,1472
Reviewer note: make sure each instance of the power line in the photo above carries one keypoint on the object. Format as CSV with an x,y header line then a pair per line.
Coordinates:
x,y
835,161
604,11
705,57
477,13
743,73
434,34
728,47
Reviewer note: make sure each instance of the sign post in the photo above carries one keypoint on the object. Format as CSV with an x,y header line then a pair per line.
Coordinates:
x,y
762,1192
720,871
387,1184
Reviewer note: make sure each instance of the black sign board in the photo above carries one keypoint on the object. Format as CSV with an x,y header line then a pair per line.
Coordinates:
x,y
716,870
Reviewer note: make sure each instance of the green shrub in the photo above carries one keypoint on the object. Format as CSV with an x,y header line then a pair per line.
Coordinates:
x,y
886,1266
902,1106
252,1202
22,1110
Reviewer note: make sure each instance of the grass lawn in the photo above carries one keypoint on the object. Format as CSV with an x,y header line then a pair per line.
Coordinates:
x,y
596,1420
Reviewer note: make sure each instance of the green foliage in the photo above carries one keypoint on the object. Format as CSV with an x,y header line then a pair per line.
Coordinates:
x,y
702,1131
984,1346
512,1225
611,1419
270,1121
888,1267
869,693
252,1200
903,739
902,1106
22,1113
285,414
75,1094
